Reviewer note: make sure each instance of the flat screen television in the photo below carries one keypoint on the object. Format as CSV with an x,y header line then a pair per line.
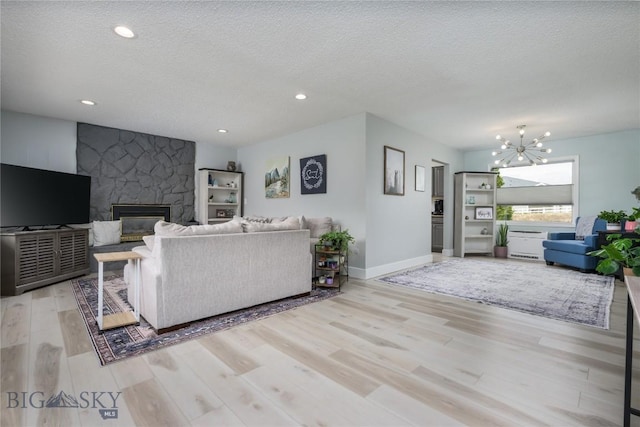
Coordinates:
x,y
33,198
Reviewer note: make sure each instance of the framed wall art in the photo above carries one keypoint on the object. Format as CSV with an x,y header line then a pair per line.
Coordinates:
x,y
420,176
276,178
393,171
313,174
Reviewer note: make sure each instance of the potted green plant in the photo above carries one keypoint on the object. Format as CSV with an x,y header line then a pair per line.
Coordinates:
x,y
337,240
632,220
613,218
500,250
621,252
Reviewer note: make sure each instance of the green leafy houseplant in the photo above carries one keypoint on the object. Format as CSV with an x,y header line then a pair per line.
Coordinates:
x,y
619,253
338,240
501,236
612,217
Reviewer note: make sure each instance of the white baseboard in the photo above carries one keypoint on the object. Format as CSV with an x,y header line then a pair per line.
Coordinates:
x,y
447,252
360,273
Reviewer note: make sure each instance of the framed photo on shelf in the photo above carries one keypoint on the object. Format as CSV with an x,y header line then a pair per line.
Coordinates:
x,y
484,213
420,175
225,213
393,171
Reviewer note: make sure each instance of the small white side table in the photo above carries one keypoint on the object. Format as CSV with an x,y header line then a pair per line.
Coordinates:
x,y
118,319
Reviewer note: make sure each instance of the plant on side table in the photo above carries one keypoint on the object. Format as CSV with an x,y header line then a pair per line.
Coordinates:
x,y
613,218
500,250
621,252
337,240
632,220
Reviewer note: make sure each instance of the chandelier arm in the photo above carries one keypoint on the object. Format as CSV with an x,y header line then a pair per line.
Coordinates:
x,y
532,143
523,150
510,157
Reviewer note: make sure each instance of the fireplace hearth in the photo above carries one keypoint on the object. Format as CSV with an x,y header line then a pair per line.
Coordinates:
x,y
138,220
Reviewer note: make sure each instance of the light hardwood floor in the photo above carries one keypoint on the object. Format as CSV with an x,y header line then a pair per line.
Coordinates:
x,y
377,355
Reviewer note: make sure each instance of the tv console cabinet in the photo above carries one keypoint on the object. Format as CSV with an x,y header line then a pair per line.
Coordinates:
x,y
31,259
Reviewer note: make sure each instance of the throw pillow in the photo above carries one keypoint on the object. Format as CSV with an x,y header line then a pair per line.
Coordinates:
x,y
106,232
291,223
258,219
584,227
318,226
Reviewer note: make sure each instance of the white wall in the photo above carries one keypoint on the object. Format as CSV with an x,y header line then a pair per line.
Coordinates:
x,y
38,142
343,141
45,143
609,168
399,228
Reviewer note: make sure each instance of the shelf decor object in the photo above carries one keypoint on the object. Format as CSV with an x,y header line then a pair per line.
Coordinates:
x,y
522,152
393,171
484,213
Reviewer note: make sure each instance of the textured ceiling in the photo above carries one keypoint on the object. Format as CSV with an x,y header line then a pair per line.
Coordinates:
x,y
455,72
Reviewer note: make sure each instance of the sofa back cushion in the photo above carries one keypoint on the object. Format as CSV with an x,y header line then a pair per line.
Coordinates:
x,y
317,226
163,228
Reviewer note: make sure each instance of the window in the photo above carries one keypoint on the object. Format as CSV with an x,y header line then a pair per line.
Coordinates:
x,y
539,193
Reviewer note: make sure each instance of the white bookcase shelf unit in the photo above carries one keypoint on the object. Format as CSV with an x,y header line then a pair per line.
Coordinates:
x,y
220,195
474,213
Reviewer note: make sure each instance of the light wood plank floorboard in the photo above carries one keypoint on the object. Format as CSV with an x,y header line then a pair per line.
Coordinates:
x,y
377,355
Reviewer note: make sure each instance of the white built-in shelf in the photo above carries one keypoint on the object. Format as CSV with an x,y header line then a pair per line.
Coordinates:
x,y
468,233
213,198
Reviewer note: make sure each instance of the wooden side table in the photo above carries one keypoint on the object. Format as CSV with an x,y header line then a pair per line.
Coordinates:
x,y
333,262
118,319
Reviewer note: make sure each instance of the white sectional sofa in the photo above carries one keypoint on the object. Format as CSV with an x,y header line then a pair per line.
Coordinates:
x,y
188,275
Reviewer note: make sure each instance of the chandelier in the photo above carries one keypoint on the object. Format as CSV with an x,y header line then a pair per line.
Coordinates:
x,y
523,151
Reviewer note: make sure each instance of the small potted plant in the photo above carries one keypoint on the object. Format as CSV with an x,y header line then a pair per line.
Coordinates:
x,y
500,250
632,220
337,240
613,218
620,253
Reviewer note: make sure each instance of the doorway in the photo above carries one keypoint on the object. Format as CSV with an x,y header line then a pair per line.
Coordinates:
x,y
439,172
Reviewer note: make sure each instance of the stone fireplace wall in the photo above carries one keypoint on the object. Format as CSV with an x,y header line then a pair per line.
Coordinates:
x,y
129,167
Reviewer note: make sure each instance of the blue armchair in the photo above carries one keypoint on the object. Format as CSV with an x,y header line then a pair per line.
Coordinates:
x,y
564,248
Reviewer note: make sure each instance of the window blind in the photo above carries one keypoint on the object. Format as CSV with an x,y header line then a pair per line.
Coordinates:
x,y
540,195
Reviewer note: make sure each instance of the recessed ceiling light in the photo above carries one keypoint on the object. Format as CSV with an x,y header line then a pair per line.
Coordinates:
x,y
87,102
222,131
301,96
125,32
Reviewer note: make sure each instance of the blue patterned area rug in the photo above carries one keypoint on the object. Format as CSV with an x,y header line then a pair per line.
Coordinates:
x,y
119,343
534,288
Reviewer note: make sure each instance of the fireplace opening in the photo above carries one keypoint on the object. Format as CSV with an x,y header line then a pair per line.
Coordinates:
x,y
138,221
